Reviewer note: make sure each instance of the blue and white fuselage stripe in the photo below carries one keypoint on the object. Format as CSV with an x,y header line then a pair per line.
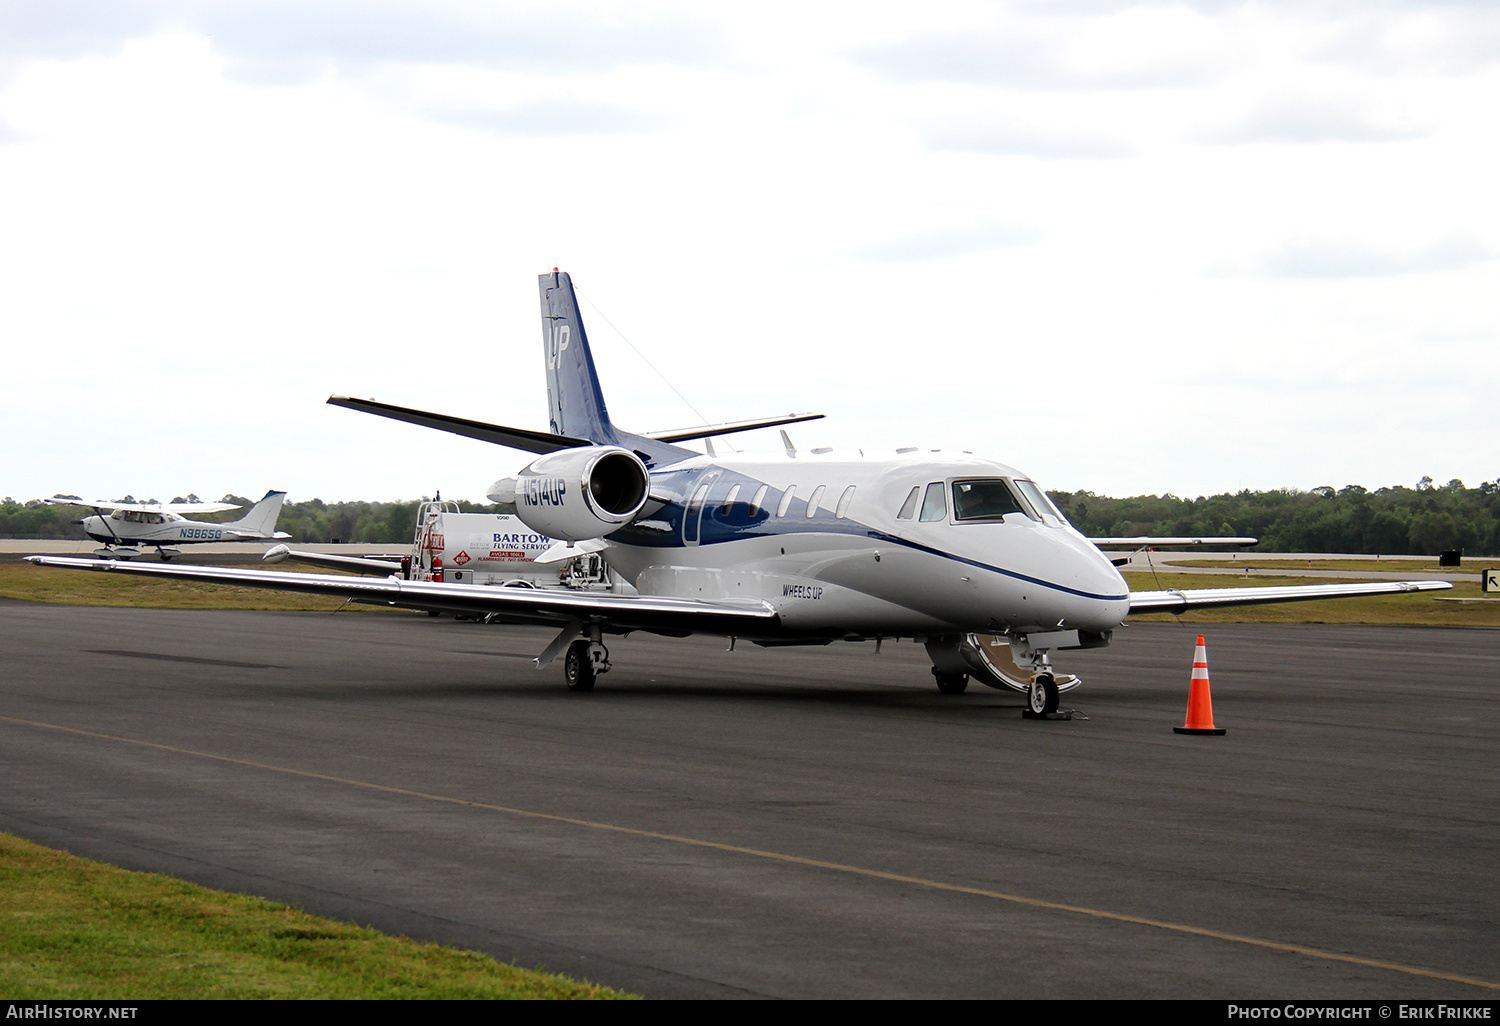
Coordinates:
x,y
865,571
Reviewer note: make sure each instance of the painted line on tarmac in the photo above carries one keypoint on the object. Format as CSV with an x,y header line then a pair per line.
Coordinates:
x,y
798,860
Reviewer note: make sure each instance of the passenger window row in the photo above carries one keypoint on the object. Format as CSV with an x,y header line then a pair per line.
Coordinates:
x,y
757,501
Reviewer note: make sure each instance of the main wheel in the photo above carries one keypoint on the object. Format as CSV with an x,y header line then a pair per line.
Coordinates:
x,y
578,669
1042,697
951,683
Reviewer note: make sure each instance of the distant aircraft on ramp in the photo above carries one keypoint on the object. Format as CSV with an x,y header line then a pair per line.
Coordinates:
x,y
125,527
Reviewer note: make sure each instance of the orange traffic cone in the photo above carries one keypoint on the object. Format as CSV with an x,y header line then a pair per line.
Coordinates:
x,y
1200,710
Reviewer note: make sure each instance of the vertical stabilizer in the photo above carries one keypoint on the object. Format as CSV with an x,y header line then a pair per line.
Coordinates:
x,y
575,404
261,519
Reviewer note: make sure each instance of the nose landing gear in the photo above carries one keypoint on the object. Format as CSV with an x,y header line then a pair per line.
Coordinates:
x,y
1042,696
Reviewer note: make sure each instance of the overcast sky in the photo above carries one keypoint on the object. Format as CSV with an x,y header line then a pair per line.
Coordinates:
x,y
1127,247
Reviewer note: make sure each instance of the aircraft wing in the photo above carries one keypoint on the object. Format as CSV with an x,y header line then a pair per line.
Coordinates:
x,y
555,606
1207,598
148,507
1141,543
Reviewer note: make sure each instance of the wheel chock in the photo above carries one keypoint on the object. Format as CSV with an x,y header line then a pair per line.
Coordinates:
x,y
1061,714
1200,709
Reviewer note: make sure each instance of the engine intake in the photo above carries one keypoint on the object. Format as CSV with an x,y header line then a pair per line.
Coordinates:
x,y
578,494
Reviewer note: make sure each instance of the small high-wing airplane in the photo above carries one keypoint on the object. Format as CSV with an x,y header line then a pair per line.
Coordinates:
x,y
962,553
124,527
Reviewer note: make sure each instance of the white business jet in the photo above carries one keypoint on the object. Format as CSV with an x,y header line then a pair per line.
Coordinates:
x,y
125,527
962,553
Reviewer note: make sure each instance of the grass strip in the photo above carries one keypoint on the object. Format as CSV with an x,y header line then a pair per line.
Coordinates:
x,y
75,929
83,588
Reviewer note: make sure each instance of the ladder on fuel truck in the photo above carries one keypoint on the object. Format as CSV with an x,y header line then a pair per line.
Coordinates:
x,y
426,565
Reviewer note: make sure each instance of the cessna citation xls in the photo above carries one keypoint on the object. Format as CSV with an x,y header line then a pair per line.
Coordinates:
x,y
962,553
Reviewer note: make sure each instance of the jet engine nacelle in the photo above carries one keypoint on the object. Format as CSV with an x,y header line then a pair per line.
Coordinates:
x,y
578,494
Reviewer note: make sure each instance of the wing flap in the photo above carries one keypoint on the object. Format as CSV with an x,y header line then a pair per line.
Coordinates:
x,y
1214,598
521,605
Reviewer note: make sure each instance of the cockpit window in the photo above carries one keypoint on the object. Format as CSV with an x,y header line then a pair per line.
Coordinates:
x,y
989,498
1039,500
933,506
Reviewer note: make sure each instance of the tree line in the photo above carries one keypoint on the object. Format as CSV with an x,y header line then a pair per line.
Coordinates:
x,y
1425,519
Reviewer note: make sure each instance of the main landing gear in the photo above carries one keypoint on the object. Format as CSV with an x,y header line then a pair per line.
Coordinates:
x,y
950,683
583,664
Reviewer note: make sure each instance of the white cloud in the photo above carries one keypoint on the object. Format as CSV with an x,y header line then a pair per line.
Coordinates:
x,y
216,217
947,242
1350,260
1314,119
1013,141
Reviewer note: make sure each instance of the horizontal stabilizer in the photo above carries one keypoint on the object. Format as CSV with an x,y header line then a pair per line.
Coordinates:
x,y
516,438
1214,598
729,427
1143,542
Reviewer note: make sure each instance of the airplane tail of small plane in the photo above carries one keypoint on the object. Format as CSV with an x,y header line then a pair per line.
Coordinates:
x,y
261,519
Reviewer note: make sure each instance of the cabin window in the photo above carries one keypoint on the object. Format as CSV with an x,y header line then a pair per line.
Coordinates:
x,y
729,500
934,506
698,498
786,501
989,498
812,504
844,501
760,497
909,507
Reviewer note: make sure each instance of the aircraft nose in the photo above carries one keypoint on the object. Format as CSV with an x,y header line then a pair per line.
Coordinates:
x,y
1092,572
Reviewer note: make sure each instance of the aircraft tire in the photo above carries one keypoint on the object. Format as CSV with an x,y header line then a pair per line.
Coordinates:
x,y
578,671
951,683
1042,698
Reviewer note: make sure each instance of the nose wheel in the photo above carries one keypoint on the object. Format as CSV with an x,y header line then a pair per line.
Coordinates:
x,y
1042,698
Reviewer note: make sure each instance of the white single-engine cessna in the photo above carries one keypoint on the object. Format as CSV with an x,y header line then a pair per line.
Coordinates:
x,y
124,527
962,553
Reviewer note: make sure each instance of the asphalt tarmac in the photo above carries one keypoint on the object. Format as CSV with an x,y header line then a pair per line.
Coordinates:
x,y
795,822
